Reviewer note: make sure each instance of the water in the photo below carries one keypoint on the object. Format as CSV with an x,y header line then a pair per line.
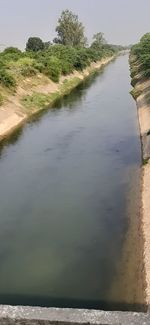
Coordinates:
x,y
64,194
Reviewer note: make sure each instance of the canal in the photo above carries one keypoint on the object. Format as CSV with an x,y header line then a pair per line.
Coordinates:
x,y
68,188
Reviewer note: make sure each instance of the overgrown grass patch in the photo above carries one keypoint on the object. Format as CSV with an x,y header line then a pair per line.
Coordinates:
x,y
6,79
69,84
38,100
136,92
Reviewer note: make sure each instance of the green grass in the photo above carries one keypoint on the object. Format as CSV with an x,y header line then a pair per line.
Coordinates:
x,y
38,100
136,92
68,85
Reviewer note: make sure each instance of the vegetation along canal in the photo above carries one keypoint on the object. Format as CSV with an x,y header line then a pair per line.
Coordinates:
x,y
69,187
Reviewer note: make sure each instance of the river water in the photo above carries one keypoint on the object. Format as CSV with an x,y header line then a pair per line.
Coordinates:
x,y
65,182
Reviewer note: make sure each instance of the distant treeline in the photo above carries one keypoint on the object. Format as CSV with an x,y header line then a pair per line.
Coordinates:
x,y
140,59
68,51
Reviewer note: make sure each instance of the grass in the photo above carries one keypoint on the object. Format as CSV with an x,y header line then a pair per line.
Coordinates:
x,y
136,92
145,161
40,100
68,85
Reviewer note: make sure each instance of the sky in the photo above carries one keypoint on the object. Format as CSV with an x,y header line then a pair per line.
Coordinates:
x,y
121,21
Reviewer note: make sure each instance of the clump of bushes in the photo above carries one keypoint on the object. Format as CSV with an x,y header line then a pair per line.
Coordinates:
x,y
141,57
6,79
26,66
53,68
52,60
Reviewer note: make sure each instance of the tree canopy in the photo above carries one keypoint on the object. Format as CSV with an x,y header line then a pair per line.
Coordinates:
x,y
34,44
70,31
98,41
141,51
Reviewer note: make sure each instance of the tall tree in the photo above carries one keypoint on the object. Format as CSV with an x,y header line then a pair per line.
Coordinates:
x,y
34,44
98,41
69,30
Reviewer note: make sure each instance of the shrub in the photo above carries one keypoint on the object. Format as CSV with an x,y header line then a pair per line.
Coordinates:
x,y
34,44
82,59
134,81
7,79
11,53
141,54
24,66
53,69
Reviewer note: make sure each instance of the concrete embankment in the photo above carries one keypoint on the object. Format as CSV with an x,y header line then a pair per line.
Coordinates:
x,y
36,93
143,105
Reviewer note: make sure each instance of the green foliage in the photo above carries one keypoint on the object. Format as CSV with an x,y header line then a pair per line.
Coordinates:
x,y
26,66
98,41
10,53
53,68
145,161
53,60
38,100
12,50
69,30
141,53
82,59
136,92
6,79
34,44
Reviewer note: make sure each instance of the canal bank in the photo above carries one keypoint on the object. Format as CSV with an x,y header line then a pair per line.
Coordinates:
x,y
34,94
142,89
85,154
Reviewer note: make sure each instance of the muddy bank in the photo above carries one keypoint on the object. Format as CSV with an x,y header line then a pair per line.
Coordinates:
x,y
143,107
14,113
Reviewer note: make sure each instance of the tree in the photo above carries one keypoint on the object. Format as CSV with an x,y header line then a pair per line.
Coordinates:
x,y
34,44
47,45
98,41
12,50
69,30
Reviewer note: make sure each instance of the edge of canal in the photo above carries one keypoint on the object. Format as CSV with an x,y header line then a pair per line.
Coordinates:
x,y
12,315
15,114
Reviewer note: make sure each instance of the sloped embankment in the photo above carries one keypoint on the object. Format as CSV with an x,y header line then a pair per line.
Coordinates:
x,y
141,93
35,93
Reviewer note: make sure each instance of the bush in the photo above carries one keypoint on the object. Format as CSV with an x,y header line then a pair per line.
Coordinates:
x,y
7,79
11,53
82,59
53,69
26,66
141,54
34,44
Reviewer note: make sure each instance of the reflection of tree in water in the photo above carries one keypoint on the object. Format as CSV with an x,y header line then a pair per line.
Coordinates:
x,y
77,95
71,101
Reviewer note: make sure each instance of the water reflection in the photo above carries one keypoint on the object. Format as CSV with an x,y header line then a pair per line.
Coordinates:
x,y
63,197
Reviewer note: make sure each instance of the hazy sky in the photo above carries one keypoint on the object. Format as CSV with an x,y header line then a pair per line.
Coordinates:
x,y
122,21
